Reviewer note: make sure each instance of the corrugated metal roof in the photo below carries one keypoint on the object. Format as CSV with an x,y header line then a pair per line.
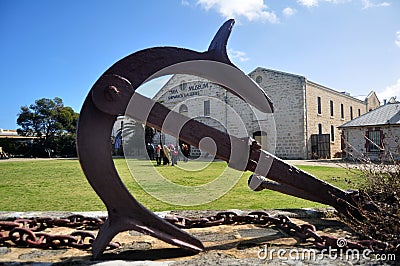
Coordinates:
x,y
388,114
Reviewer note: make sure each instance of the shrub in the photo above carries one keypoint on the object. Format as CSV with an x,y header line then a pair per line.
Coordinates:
x,y
379,202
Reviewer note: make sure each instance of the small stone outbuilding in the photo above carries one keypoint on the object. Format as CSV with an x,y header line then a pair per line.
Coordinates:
x,y
374,135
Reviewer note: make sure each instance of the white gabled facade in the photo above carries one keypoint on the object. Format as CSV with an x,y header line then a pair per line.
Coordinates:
x,y
211,104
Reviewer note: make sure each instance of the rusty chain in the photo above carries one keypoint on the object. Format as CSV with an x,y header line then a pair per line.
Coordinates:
x,y
27,232
304,232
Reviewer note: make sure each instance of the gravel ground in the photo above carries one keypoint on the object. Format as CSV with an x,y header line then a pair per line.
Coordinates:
x,y
245,244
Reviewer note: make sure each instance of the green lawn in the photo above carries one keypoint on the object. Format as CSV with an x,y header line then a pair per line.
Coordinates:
x,y
59,185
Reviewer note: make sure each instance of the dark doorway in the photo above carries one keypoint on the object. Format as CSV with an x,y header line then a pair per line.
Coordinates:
x,y
320,146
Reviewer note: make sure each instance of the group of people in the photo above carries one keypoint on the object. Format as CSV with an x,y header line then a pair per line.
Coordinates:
x,y
168,154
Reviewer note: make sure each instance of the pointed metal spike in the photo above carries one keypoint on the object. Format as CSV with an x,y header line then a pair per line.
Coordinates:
x,y
220,40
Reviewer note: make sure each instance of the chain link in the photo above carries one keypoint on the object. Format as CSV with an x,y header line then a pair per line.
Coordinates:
x,y
26,232
304,232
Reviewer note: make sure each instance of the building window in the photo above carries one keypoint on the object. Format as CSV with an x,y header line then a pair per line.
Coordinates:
x,y
359,112
332,133
320,129
342,111
207,108
319,105
183,85
374,140
258,79
351,112
331,107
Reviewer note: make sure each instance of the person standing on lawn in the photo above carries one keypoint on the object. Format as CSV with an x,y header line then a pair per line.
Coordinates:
x,y
166,155
158,154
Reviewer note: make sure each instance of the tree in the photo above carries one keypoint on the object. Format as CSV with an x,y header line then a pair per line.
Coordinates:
x,y
52,123
133,137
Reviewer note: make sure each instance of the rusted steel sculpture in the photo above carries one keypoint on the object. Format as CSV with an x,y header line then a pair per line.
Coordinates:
x,y
109,97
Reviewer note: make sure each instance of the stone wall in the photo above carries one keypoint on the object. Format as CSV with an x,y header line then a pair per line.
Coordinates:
x,y
372,101
287,93
356,142
327,121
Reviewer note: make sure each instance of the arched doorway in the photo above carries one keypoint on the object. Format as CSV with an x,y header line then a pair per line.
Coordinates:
x,y
183,109
184,147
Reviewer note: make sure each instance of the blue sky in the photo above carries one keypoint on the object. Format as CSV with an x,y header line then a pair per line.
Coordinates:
x,y
60,48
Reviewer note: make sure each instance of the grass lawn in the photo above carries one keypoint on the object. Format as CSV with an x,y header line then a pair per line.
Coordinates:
x,y
59,185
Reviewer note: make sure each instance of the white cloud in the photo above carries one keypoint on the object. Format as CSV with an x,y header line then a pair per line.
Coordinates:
x,y
308,3
241,56
337,1
390,91
253,10
365,3
370,4
397,41
313,3
185,3
288,11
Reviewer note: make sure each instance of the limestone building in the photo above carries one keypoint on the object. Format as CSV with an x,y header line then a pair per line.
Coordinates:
x,y
211,104
304,125
308,114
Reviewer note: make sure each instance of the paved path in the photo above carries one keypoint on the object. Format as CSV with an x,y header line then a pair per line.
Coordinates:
x,y
328,163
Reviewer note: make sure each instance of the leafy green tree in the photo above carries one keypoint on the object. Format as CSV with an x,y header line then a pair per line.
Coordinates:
x,y
52,123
